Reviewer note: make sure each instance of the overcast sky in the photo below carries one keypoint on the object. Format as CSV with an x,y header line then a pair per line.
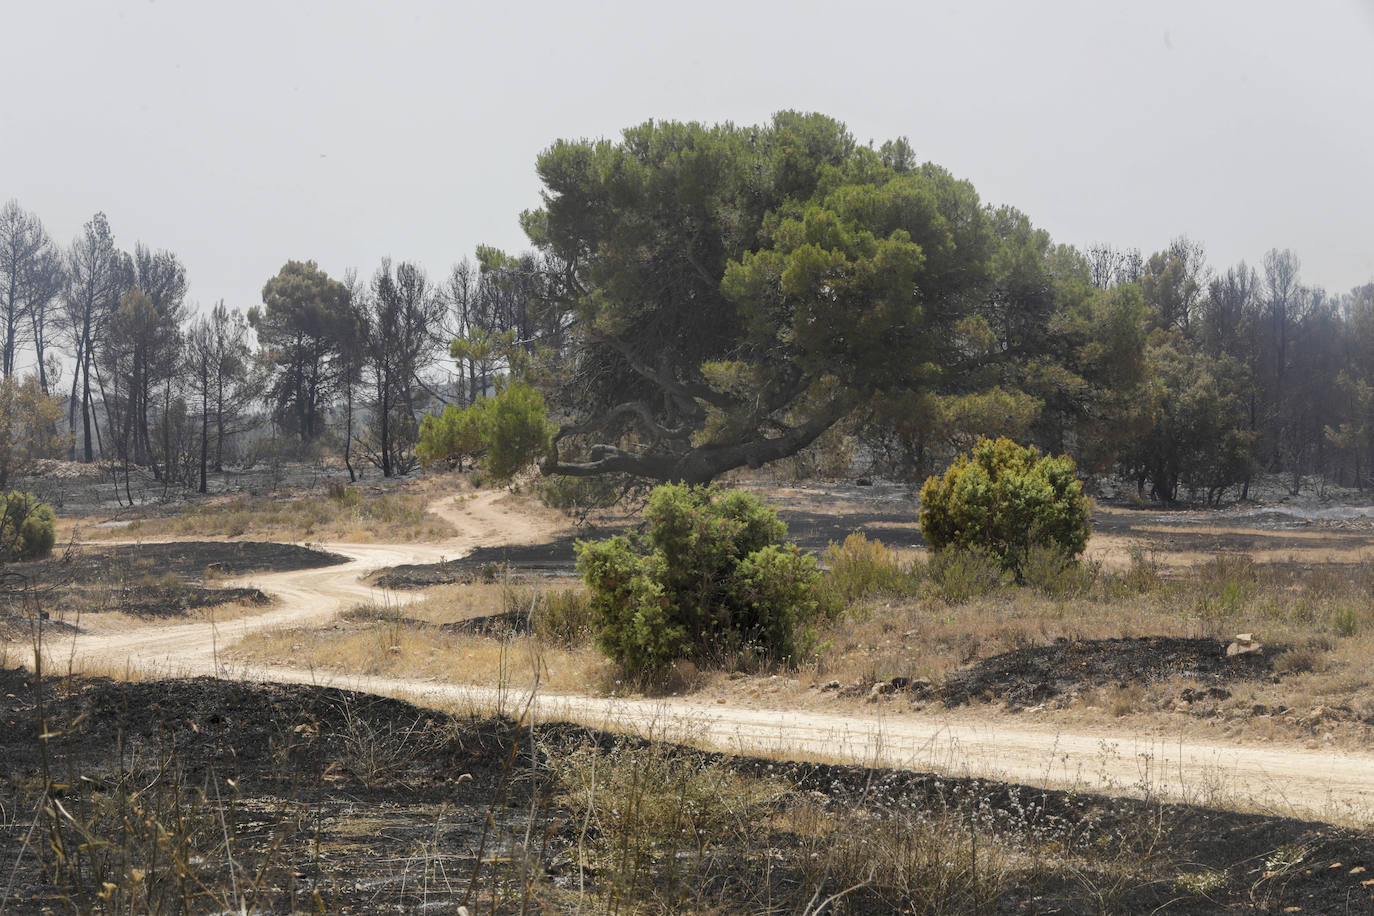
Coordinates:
x,y
244,134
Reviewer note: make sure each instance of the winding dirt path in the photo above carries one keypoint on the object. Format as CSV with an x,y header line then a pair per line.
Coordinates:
x,y
1324,784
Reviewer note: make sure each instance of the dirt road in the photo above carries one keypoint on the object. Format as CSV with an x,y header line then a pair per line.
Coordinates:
x,y
1323,784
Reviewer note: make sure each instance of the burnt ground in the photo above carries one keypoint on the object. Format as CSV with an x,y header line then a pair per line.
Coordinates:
x,y
889,521
819,516
143,580
1036,674
486,564
327,800
186,559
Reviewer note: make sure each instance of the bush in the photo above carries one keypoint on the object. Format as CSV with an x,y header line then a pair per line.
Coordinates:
x,y
562,616
28,528
511,429
708,579
959,574
1005,498
1052,572
860,567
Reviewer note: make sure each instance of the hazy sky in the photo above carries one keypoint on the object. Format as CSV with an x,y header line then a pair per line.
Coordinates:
x,y
244,134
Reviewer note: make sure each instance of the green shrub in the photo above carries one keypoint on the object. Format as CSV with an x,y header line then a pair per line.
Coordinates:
x,y
451,437
28,528
959,574
511,429
1346,620
516,430
1004,498
1052,572
562,616
860,567
708,579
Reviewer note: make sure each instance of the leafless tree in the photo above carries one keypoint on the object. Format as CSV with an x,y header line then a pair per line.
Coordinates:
x,y
31,278
98,274
399,312
218,358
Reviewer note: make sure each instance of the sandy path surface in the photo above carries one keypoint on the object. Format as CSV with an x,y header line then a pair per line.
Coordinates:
x,y
1324,784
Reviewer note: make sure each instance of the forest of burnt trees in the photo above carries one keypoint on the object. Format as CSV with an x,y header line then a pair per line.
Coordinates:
x,y
133,374
1186,379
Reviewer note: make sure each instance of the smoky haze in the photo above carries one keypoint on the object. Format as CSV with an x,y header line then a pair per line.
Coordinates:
x,y
242,135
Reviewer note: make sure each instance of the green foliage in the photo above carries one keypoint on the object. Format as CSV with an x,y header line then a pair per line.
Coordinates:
x,y
1200,439
732,292
28,426
1053,572
960,574
1004,498
305,326
516,430
579,495
860,567
28,528
708,579
511,429
452,436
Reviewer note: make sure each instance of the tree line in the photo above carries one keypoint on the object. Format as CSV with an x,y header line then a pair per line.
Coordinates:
x,y
104,358
732,294
699,298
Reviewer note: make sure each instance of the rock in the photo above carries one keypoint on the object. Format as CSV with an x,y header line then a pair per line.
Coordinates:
x,y
882,688
1244,644
1218,693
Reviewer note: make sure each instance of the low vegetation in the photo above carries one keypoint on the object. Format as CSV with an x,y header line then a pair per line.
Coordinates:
x,y
509,432
28,528
482,633
1006,500
207,795
708,581
339,512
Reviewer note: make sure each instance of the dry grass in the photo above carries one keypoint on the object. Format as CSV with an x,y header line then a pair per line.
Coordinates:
x,y
411,640
354,514
1317,620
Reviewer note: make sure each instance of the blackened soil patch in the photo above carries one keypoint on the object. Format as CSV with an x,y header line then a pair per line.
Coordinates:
x,y
186,559
349,803
812,531
163,600
1024,677
487,564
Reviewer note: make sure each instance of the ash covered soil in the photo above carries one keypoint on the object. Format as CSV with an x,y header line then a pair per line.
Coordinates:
x,y
819,515
186,559
1028,676
361,803
152,580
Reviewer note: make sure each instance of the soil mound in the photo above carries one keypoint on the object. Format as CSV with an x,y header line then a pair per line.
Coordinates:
x,y
1025,677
